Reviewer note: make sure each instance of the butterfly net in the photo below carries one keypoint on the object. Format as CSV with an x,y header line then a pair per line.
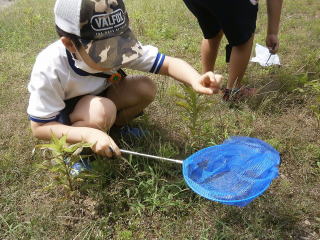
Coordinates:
x,y
234,172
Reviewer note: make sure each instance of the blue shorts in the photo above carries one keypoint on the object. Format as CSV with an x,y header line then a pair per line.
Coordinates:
x,y
236,18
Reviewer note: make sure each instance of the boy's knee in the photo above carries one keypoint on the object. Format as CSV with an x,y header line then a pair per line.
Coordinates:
x,y
101,114
104,114
146,88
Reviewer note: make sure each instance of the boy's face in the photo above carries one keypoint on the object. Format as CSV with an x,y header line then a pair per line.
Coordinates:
x,y
88,60
82,55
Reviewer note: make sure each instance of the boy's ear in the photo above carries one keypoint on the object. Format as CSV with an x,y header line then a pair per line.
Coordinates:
x,y
68,44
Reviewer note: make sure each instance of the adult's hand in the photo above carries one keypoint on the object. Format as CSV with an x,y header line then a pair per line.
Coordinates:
x,y
272,43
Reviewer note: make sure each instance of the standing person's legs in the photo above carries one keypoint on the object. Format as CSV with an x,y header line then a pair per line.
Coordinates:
x,y
238,20
211,30
239,60
209,52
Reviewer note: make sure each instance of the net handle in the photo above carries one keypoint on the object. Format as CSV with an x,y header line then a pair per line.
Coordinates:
x,y
151,156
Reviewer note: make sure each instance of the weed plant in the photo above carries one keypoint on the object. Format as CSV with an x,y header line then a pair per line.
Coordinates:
x,y
192,108
59,157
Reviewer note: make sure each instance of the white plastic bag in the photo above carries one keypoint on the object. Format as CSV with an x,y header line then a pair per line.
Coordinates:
x,y
264,57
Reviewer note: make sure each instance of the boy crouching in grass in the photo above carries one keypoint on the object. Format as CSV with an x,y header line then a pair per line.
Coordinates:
x,y
77,86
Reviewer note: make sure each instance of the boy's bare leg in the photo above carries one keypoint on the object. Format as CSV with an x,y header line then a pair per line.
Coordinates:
x,y
131,95
209,52
124,101
239,60
94,111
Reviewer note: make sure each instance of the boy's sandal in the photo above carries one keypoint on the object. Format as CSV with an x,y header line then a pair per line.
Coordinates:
x,y
127,131
238,94
84,164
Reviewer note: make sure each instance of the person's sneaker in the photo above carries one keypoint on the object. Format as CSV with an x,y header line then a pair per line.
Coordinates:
x,y
226,94
238,94
127,132
132,132
80,166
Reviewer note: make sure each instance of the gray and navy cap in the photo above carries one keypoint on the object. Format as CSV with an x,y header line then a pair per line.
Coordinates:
x,y
103,29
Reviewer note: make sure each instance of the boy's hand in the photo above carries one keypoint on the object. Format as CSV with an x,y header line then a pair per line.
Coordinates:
x,y
208,83
102,144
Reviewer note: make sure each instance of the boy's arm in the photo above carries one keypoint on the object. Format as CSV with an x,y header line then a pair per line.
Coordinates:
x,y
101,142
180,70
274,12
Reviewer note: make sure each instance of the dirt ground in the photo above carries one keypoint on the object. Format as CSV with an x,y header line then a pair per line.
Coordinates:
x,y
5,3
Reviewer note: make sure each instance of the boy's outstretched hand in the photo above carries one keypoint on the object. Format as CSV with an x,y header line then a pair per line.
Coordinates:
x,y
208,83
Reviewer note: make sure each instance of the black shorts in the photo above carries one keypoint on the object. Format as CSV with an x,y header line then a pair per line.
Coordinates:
x,y
236,18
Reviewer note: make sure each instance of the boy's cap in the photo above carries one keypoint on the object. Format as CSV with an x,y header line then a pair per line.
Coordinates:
x,y
103,29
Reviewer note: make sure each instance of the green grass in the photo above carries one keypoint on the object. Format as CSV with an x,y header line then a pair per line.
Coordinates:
x,y
146,199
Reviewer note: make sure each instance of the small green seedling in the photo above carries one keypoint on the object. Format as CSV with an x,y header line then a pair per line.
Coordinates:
x,y
59,158
193,105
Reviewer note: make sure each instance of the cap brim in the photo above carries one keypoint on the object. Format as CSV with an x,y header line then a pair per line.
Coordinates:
x,y
115,51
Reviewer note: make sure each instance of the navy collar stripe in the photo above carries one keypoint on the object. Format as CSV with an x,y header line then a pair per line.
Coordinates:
x,y
80,71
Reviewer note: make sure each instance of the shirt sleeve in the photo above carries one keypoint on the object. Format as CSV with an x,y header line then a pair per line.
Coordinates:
x,y
46,93
150,61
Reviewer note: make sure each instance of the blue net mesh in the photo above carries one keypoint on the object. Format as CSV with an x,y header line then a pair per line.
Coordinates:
x,y
234,172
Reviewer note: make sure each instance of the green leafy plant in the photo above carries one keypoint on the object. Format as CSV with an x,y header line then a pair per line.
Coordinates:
x,y
59,157
193,105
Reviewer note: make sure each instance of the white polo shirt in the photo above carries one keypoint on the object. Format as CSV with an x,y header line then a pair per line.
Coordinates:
x,y
55,78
